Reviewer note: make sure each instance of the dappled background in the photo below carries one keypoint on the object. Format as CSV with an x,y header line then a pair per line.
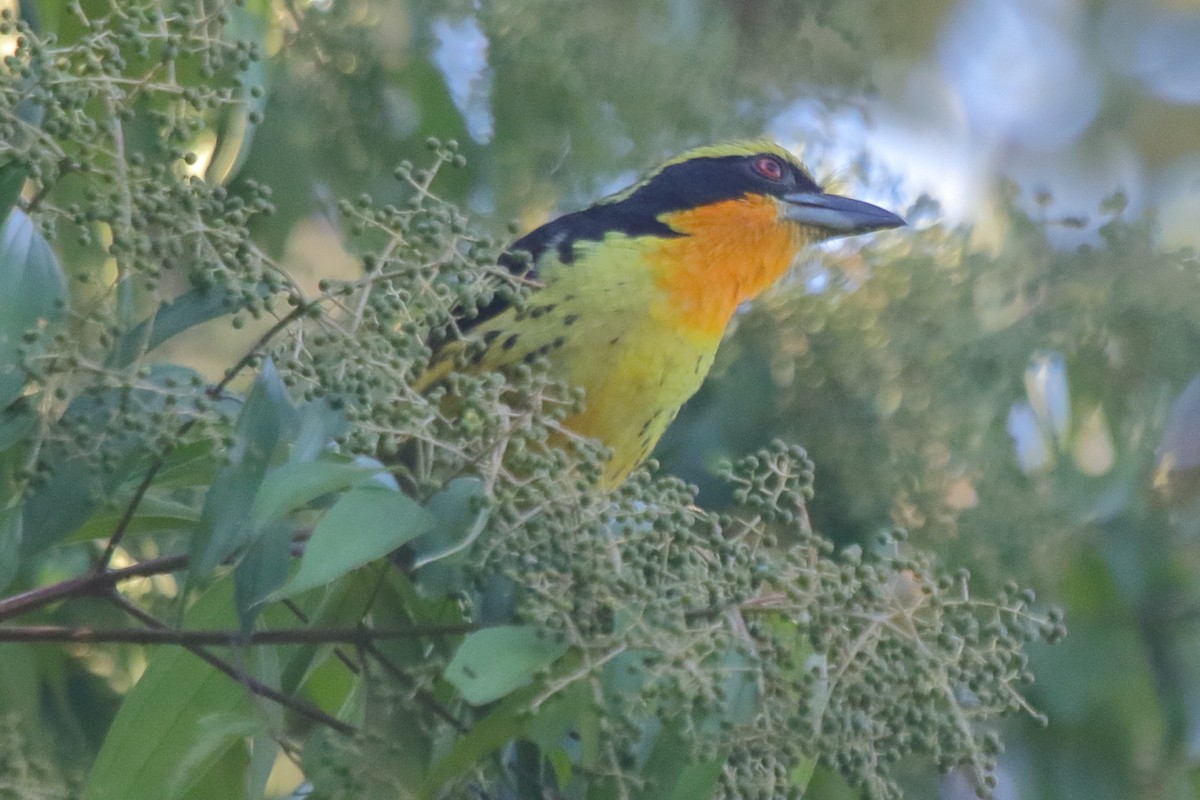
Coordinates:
x,y
1011,378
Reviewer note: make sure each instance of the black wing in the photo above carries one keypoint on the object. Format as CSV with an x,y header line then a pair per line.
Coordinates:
x,y
560,236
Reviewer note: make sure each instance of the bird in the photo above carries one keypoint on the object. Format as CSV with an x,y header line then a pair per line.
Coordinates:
x,y
634,293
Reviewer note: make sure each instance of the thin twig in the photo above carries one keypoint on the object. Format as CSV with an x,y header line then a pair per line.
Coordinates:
x,y
357,635
87,584
127,516
423,696
338,652
296,313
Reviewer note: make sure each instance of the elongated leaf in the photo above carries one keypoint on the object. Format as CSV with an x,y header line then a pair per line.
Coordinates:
x,y
504,723
455,514
262,570
16,422
33,292
341,606
11,528
12,178
213,738
265,422
156,728
250,21
366,524
186,311
155,514
495,661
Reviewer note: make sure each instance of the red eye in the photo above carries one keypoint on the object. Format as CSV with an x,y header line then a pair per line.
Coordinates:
x,y
768,167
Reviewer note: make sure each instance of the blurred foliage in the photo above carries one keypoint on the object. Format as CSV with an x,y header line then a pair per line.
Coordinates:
x,y
178,170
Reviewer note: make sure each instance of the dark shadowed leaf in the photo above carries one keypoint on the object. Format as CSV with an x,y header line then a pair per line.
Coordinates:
x,y
33,293
68,500
10,544
504,723
12,178
16,422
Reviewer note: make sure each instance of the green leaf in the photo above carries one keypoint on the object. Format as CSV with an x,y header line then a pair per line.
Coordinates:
x,y
33,292
495,661
22,687
567,729
223,777
249,21
262,570
366,524
186,311
293,486
156,728
11,528
672,774
12,179
340,605
739,689
319,423
190,465
265,422
456,516
155,514
62,504
214,736
504,723
263,754
16,422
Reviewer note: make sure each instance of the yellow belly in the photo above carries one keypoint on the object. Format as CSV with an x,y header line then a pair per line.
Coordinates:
x,y
634,385
610,332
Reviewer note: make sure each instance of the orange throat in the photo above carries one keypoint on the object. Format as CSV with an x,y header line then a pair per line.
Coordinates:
x,y
729,253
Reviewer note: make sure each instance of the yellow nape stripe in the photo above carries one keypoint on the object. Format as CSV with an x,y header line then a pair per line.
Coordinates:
x,y
740,148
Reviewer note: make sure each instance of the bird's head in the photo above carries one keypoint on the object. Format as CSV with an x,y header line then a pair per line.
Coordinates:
x,y
756,170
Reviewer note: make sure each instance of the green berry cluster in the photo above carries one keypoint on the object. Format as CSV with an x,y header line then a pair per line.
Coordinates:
x,y
102,119
764,646
28,770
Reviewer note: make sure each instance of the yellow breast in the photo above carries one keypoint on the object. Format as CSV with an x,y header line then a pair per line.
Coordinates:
x,y
636,322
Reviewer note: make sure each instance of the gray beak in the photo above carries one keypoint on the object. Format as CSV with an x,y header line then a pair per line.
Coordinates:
x,y
838,216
